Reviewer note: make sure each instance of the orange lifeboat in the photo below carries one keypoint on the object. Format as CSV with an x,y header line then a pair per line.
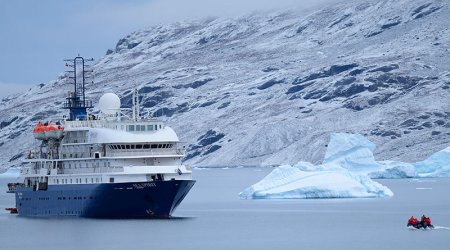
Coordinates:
x,y
48,130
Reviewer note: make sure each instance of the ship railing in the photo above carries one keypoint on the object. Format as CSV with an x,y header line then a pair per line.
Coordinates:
x,y
25,170
88,123
12,187
94,170
34,154
32,171
101,123
179,152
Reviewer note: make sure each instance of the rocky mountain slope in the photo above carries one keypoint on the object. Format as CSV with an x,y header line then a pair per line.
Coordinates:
x,y
268,89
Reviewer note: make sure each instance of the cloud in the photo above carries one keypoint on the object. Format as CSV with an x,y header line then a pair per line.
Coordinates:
x,y
132,15
52,30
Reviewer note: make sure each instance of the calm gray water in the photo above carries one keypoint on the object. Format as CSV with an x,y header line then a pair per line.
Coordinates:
x,y
212,217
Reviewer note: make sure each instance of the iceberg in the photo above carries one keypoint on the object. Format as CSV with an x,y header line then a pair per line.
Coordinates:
x,y
289,182
346,172
11,173
355,153
394,170
437,165
351,151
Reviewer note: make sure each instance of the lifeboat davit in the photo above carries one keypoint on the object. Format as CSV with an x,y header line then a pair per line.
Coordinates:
x,y
46,131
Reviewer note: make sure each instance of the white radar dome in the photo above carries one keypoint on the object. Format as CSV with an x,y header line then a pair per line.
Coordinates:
x,y
109,103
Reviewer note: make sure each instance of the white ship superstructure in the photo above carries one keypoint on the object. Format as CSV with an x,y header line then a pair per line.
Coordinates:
x,y
105,165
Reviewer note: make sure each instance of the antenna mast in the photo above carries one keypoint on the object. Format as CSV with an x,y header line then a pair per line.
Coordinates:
x,y
76,101
136,108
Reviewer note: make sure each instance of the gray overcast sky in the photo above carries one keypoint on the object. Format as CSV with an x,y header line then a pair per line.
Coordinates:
x,y
36,35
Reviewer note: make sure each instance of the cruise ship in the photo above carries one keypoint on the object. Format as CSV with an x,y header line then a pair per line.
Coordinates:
x,y
108,165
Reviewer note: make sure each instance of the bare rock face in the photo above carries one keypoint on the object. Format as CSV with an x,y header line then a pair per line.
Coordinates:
x,y
270,89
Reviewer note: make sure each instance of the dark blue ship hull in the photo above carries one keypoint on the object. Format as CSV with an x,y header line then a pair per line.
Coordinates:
x,y
156,199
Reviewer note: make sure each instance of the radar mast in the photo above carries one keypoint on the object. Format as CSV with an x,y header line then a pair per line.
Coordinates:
x,y
76,101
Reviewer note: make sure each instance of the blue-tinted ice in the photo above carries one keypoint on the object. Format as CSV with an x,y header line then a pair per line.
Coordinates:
x,y
346,172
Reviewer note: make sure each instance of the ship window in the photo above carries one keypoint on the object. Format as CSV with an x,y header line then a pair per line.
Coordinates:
x,y
92,180
127,146
159,146
139,146
85,180
149,127
154,146
142,127
160,126
130,127
70,181
138,127
57,181
111,180
146,146
156,127
132,146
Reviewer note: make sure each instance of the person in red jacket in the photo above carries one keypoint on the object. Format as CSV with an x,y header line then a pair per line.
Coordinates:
x,y
413,222
426,222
